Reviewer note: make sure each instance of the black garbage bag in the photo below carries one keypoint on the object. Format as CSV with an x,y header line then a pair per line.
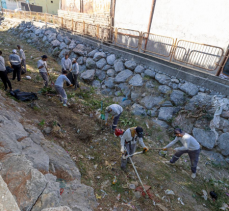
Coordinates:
x,y
9,69
71,78
24,96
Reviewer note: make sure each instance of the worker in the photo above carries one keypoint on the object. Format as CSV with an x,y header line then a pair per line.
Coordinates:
x,y
22,56
15,62
42,66
66,63
115,110
128,143
75,72
59,84
190,146
3,73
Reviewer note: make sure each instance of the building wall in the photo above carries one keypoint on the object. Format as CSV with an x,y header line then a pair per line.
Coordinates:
x,y
202,21
51,7
12,5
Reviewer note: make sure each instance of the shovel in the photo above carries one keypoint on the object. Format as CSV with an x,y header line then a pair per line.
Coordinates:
x,y
129,156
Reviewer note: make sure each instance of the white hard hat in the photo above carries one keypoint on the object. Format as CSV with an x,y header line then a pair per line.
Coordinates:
x,y
14,51
28,77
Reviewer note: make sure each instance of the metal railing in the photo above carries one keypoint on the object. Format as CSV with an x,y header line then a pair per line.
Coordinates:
x,y
183,52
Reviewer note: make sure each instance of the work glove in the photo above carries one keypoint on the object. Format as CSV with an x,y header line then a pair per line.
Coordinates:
x,y
145,149
48,74
112,117
71,85
122,150
165,149
106,123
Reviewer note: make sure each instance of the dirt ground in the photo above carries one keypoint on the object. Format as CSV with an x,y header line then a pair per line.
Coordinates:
x,y
96,152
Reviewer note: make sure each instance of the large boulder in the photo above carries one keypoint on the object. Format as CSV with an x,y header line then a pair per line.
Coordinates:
x,y
60,38
160,123
55,43
109,82
80,60
202,99
110,72
90,63
177,97
130,64
38,31
101,63
106,67
224,144
135,95
206,138
88,75
63,52
80,50
138,110
63,46
164,89
50,196
167,113
124,88
96,84
225,114
136,80
101,75
186,124
123,76
162,79
150,73
92,53
189,88
23,181
72,45
149,85
215,157
139,69
118,66
223,125
111,59
51,37
99,55
150,101
67,40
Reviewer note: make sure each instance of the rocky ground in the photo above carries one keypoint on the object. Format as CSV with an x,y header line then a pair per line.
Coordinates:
x,y
158,103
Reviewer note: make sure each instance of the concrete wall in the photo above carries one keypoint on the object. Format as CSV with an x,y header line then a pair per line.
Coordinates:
x,y
12,5
132,14
50,7
202,21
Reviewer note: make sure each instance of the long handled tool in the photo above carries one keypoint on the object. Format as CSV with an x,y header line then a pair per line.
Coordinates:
x,y
129,156
52,84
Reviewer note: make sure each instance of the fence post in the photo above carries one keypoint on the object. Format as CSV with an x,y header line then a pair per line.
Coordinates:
x,y
84,27
20,14
45,19
173,50
72,25
62,22
37,16
30,15
97,31
116,35
140,41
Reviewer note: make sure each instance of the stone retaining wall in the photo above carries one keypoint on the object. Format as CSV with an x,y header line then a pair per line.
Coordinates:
x,y
167,100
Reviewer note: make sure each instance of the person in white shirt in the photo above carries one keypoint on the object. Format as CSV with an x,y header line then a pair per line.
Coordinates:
x,y
3,73
22,56
190,146
115,110
59,84
128,143
42,66
66,63
75,72
15,62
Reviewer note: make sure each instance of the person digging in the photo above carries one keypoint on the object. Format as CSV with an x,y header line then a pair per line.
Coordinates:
x,y
190,146
115,110
128,143
59,84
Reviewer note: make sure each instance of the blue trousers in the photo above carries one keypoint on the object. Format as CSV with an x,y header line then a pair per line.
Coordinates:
x,y
193,155
115,122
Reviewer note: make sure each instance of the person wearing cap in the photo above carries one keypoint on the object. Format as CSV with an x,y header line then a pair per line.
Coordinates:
x,y
115,110
59,84
3,73
15,62
22,56
42,67
128,143
66,63
75,72
190,146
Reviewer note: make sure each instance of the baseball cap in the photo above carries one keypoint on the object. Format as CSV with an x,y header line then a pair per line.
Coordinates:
x,y
139,131
14,51
44,57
